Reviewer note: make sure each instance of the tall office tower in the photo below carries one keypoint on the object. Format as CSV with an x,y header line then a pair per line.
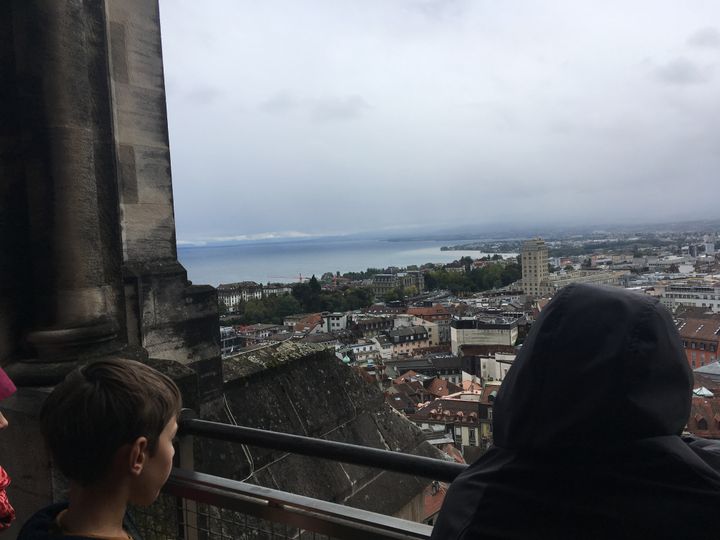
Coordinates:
x,y
709,242
534,258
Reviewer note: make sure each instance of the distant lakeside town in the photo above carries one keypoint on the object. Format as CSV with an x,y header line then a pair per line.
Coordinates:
x,y
438,339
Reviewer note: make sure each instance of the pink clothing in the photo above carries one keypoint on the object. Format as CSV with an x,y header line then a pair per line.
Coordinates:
x,y
7,513
7,388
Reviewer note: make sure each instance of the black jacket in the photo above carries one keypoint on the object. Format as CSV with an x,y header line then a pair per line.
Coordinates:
x,y
586,430
43,526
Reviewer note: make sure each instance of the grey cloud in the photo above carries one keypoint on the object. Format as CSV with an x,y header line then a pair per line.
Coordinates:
x,y
438,9
280,104
203,95
419,100
332,109
682,71
708,37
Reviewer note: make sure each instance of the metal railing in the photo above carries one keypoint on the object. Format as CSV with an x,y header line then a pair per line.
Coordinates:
x,y
434,469
197,506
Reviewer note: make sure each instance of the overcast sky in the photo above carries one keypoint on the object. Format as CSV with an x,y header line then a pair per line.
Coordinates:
x,y
335,116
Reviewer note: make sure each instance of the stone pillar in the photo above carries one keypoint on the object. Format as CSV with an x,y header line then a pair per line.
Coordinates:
x,y
167,316
70,171
72,135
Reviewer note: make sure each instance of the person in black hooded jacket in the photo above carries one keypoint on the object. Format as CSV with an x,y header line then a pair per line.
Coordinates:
x,y
587,432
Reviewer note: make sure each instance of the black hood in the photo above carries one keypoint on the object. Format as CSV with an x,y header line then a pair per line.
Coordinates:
x,y
600,366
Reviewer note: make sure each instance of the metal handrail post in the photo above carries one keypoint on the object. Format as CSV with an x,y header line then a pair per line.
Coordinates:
x,y
186,461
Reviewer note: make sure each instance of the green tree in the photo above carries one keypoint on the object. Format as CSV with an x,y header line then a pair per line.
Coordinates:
x,y
510,274
255,311
314,285
431,282
398,293
466,262
286,305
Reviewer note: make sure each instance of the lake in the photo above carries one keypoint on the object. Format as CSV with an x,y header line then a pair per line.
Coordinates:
x,y
285,261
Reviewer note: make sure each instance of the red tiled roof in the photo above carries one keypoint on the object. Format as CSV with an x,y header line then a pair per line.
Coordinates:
x,y
440,387
406,377
433,497
451,411
704,418
308,323
438,310
400,401
413,390
453,452
703,380
700,329
365,375
471,386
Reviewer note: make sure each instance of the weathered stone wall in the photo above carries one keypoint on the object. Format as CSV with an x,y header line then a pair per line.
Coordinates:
x,y
174,320
60,213
141,132
87,229
88,262
303,389
166,315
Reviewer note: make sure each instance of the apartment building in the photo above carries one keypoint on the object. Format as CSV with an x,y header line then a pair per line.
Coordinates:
x,y
406,341
699,294
701,340
231,294
483,330
466,417
534,262
385,283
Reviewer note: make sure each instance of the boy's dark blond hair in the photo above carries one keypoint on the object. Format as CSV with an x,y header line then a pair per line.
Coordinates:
x,y
102,406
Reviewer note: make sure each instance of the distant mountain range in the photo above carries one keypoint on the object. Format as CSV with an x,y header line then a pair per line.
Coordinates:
x,y
467,233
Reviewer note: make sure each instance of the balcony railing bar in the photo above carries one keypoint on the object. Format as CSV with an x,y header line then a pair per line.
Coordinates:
x,y
319,448
305,513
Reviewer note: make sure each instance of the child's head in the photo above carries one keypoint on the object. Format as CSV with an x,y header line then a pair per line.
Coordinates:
x,y
104,407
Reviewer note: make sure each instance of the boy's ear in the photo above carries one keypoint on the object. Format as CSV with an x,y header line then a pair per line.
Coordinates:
x,y
138,455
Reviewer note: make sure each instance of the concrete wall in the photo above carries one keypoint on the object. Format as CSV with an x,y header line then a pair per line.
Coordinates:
x,y
304,389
